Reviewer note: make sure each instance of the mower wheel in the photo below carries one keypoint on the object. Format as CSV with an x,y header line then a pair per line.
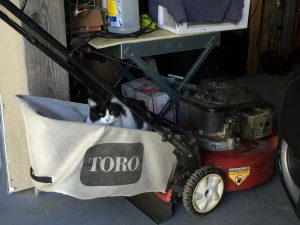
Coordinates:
x,y
203,190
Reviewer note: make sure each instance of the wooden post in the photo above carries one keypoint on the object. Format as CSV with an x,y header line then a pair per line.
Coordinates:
x,y
25,70
254,27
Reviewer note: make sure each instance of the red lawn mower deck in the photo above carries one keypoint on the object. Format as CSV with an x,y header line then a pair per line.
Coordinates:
x,y
250,164
247,166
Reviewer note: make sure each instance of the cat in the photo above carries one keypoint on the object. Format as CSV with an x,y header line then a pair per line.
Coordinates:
x,y
115,113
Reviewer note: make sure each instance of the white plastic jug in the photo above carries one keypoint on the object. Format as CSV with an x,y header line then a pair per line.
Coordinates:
x,y
123,16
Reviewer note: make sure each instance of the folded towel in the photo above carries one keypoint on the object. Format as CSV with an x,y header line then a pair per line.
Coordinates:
x,y
174,8
201,11
206,10
235,12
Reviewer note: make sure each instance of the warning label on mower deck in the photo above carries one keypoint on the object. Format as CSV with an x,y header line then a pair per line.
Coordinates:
x,y
239,175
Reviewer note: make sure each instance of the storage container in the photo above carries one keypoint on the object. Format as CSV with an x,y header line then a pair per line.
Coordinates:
x,y
123,16
166,22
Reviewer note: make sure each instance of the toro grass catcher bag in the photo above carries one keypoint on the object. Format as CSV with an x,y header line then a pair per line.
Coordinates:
x,y
88,161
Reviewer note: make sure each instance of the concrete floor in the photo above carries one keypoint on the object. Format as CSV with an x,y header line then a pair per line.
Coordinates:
x,y
265,204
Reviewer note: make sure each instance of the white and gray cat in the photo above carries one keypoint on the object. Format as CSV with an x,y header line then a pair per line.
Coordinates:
x,y
115,113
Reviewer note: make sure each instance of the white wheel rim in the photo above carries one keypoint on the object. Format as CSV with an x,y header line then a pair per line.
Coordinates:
x,y
208,193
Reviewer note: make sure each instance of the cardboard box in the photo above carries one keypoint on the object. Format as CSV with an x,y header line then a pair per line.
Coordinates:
x,y
155,100
92,22
129,88
105,70
145,90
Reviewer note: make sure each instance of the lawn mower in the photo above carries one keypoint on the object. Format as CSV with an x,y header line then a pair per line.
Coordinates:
x,y
217,138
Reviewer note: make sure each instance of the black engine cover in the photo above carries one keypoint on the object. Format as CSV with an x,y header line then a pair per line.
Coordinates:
x,y
206,107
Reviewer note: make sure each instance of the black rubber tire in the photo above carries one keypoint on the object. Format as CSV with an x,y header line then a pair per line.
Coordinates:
x,y
191,184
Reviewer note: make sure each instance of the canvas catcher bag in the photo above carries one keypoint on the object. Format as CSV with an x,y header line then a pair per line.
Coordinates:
x,y
88,161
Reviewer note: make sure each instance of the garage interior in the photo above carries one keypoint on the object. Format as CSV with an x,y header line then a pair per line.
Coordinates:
x,y
264,57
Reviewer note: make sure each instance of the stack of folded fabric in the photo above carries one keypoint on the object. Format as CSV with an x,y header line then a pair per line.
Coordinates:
x,y
200,11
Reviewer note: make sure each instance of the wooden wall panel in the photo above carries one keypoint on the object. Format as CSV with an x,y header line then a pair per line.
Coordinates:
x,y
254,27
45,77
24,70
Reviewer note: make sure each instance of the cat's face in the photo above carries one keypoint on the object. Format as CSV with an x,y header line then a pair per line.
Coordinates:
x,y
97,111
105,114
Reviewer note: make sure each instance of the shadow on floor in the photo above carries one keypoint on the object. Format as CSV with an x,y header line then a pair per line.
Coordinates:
x,y
265,204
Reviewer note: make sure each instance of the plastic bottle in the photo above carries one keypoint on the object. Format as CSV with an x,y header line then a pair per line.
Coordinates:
x,y
123,16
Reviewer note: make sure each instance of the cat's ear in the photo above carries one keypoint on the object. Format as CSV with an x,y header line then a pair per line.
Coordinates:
x,y
92,103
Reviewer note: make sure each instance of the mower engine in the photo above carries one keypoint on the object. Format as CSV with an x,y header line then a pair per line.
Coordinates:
x,y
223,111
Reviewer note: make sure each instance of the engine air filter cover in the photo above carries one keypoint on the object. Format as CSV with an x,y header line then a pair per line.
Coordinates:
x,y
256,122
